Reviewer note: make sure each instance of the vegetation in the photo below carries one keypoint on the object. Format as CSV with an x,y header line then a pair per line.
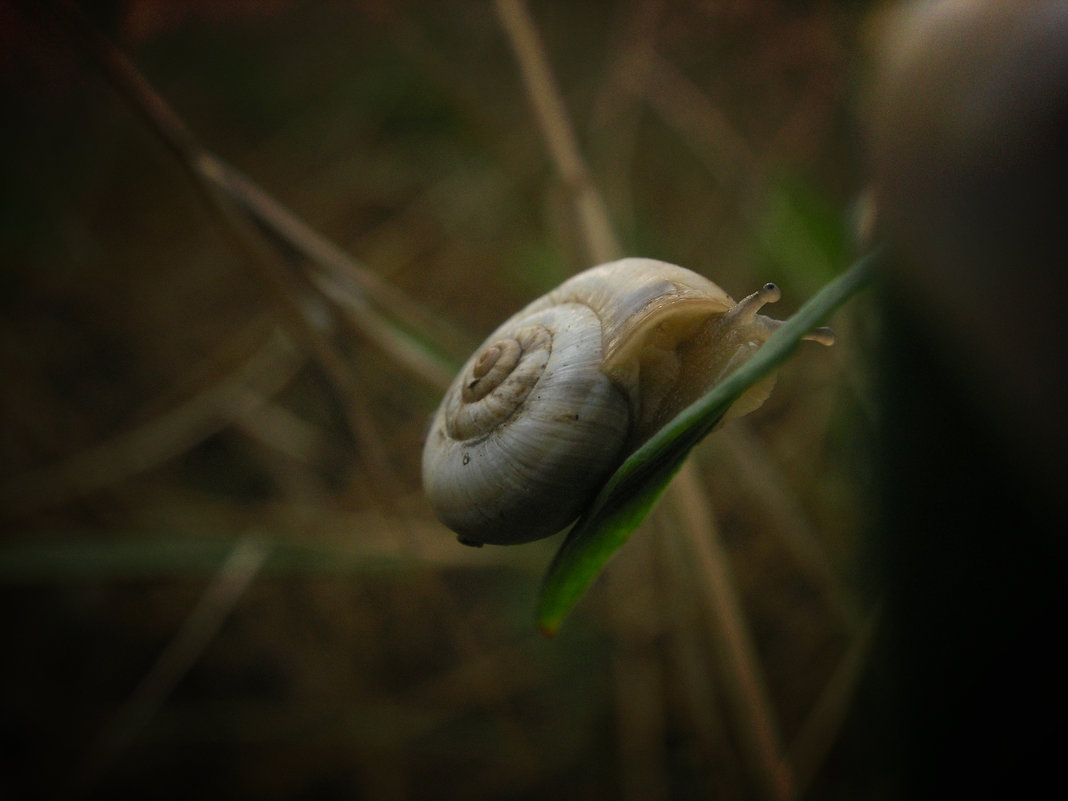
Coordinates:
x,y
239,267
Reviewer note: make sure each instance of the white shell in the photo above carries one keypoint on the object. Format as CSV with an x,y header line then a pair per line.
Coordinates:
x,y
552,402
505,469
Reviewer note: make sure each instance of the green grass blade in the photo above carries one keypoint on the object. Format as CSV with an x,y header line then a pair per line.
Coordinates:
x,y
634,488
33,558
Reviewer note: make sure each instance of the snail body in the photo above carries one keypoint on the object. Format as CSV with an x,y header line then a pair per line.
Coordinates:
x,y
565,389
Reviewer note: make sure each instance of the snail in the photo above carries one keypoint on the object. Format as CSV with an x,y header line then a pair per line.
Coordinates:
x,y
557,396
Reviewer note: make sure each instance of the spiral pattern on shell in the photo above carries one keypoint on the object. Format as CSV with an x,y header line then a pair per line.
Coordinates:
x,y
530,418
501,377
559,394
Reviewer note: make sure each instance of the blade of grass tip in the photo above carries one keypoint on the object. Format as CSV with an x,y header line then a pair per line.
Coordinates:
x,y
634,488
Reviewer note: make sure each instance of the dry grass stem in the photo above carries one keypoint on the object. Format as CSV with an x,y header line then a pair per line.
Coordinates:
x,y
687,496
206,170
821,729
349,285
601,242
697,678
640,723
197,632
747,691
637,611
262,256
190,367
283,431
754,465
162,437
712,138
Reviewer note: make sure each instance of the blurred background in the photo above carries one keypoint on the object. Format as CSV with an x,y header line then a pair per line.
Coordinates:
x,y
219,576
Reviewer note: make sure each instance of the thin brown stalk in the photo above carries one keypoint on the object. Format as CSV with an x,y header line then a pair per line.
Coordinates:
x,y
760,739
752,463
712,138
165,435
640,722
338,277
262,256
199,629
695,674
725,154
257,224
616,114
378,330
601,241
637,674
335,285
283,431
747,693
824,723
638,620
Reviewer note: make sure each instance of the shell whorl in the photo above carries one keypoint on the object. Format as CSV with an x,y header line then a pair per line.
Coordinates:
x,y
634,294
557,396
498,381
530,418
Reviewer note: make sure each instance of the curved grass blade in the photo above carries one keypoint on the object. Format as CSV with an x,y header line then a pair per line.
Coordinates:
x,y
634,488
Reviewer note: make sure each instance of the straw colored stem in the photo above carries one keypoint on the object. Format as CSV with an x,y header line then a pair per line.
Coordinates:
x,y
287,290
199,629
747,690
760,739
339,278
552,117
165,435
824,723
751,461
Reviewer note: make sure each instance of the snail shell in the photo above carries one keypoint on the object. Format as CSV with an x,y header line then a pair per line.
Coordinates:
x,y
559,394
